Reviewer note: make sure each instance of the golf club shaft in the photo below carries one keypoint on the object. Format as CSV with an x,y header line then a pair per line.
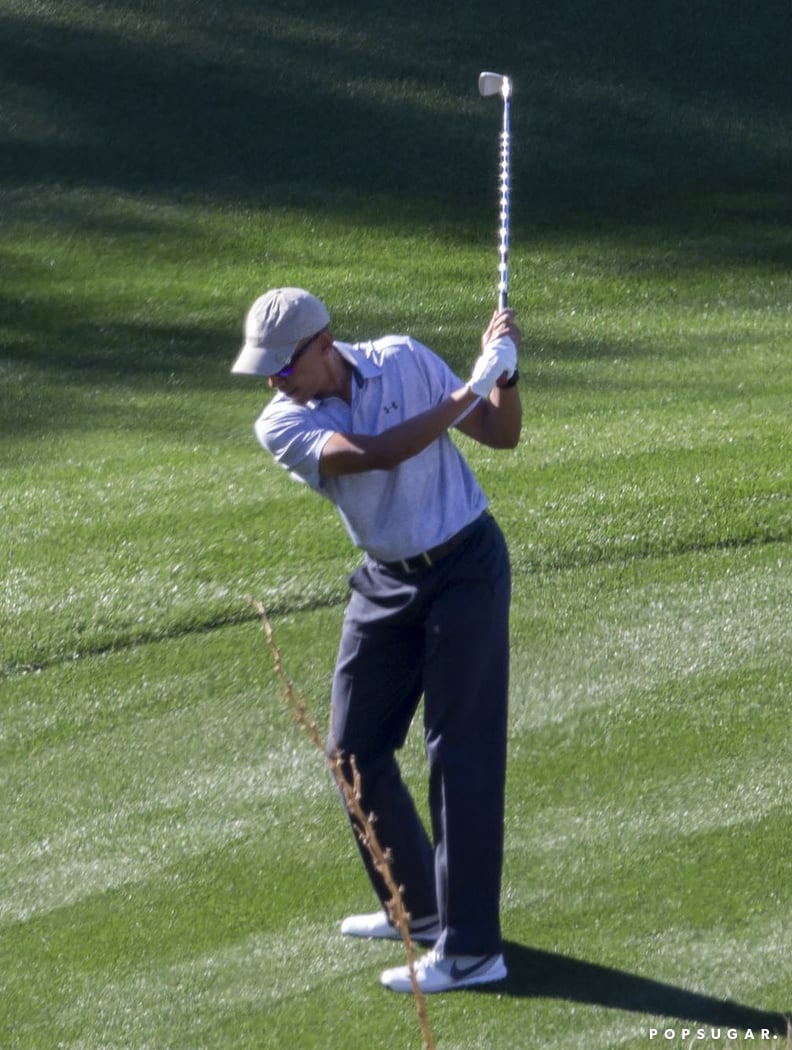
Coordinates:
x,y
505,205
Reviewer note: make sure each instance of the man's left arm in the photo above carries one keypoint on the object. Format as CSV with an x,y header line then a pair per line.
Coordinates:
x,y
496,421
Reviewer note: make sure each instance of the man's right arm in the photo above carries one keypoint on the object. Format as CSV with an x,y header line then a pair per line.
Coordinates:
x,y
356,453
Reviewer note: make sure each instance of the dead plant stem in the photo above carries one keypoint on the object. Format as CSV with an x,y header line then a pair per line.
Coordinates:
x,y
362,821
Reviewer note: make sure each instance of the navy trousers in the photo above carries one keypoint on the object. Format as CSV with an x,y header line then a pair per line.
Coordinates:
x,y
441,632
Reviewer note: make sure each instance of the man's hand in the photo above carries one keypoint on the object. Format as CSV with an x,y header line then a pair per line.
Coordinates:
x,y
501,324
499,357
499,343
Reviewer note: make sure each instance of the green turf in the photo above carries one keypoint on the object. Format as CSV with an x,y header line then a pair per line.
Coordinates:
x,y
174,861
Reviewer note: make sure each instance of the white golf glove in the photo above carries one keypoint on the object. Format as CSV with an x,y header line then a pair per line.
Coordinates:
x,y
499,356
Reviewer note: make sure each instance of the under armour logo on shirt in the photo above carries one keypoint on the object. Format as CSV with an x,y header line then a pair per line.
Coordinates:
x,y
390,408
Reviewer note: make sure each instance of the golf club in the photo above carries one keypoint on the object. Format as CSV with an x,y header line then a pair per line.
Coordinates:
x,y
498,84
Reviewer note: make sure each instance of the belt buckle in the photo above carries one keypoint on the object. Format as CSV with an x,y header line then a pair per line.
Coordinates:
x,y
417,562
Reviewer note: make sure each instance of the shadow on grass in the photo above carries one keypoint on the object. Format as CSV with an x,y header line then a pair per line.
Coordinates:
x,y
539,974
264,102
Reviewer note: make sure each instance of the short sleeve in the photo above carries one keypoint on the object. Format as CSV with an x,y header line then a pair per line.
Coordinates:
x,y
295,442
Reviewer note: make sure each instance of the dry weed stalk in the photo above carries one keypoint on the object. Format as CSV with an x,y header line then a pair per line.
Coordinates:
x,y
363,822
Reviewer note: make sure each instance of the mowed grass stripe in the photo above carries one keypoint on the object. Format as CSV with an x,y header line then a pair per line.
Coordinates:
x,y
117,768
147,828
633,636
129,550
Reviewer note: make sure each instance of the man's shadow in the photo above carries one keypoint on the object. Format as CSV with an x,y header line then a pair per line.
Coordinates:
x,y
538,974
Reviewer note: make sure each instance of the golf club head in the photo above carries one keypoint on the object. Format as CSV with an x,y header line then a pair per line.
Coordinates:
x,y
494,84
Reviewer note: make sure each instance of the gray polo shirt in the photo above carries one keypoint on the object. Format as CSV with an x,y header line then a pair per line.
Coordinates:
x,y
391,514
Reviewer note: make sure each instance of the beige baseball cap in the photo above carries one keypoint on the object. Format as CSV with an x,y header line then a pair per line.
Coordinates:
x,y
276,324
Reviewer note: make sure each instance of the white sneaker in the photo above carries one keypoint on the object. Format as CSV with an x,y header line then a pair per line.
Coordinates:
x,y
435,973
377,925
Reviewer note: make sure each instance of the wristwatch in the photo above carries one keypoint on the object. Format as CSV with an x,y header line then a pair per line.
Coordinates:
x,y
504,384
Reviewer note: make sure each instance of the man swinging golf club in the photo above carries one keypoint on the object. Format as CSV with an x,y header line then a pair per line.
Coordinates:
x,y
366,425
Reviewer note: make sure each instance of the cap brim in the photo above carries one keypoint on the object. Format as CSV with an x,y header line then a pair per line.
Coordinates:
x,y
256,361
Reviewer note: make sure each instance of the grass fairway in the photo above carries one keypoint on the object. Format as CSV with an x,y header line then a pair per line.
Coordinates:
x,y
173,859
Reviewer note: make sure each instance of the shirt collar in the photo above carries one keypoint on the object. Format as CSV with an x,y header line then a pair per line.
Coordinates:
x,y
363,365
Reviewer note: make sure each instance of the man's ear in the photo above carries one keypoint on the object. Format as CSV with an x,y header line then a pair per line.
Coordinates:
x,y
325,340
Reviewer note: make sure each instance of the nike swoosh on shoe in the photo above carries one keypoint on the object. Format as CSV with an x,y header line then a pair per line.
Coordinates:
x,y
459,973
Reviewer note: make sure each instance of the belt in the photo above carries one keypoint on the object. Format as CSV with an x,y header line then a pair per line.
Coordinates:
x,y
426,559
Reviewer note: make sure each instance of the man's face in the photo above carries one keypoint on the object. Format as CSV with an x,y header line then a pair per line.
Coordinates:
x,y
302,378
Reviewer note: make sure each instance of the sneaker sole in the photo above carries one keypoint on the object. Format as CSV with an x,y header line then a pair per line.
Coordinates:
x,y
400,983
392,933
419,938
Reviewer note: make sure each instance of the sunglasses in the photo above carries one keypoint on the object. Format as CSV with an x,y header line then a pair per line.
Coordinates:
x,y
291,364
